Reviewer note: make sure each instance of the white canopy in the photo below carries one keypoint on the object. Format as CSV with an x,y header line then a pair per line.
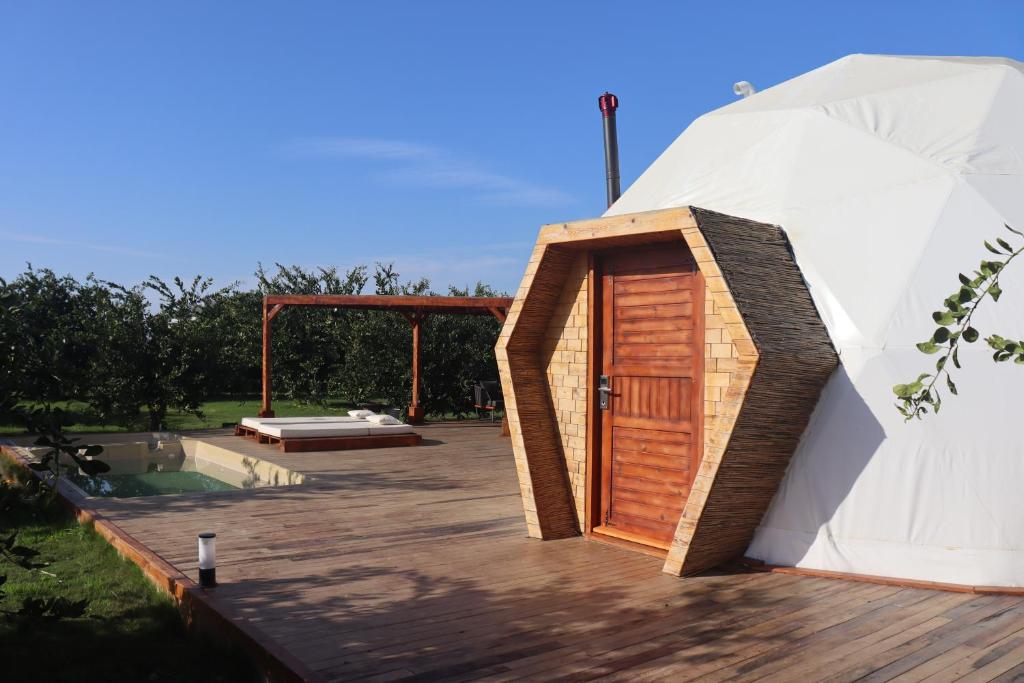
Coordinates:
x,y
887,173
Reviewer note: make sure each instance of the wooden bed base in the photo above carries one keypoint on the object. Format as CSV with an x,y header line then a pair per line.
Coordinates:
x,y
330,443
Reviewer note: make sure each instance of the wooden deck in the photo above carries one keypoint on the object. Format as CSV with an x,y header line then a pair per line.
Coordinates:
x,y
413,563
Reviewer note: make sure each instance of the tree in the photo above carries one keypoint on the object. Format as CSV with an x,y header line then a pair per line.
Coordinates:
x,y
915,398
379,346
47,318
458,351
11,375
311,346
163,358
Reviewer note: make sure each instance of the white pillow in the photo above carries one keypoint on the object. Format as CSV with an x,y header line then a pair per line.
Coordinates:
x,y
383,419
360,413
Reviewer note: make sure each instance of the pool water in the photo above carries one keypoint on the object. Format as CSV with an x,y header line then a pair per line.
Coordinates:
x,y
148,484
161,464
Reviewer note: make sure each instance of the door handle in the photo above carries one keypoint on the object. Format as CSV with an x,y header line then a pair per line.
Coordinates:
x,y
604,390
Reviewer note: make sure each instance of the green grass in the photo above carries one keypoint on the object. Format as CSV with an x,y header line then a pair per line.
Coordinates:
x,y
130,631
215,413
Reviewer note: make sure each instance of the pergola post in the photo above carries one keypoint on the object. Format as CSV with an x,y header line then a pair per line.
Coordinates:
x,y
269,312
416,412
265,409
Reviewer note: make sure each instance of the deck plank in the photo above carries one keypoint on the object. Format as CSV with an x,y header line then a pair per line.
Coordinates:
x,y
413,563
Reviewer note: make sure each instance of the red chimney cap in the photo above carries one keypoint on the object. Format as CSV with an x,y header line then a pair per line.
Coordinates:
x,y
608,103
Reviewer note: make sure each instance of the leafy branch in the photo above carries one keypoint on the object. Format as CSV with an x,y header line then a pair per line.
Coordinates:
x,y
48,423
916,397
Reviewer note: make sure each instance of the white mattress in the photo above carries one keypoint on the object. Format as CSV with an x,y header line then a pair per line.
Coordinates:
x,y
256,422
303,431
324,429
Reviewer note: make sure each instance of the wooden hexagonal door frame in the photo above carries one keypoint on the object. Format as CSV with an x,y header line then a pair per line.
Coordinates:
x,y
767,357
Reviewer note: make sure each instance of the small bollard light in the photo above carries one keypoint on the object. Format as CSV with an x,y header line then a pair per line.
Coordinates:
x,y
208,559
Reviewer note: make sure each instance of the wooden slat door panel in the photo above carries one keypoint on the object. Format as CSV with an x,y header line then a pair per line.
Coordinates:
x,y
652,351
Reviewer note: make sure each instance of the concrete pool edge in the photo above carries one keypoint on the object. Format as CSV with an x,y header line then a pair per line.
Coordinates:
x,y
201,612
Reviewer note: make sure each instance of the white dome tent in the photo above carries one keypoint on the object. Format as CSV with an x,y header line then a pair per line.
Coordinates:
x,y
886,173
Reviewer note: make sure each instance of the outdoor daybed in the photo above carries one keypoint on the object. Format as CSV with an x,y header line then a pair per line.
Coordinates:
x,y
304,434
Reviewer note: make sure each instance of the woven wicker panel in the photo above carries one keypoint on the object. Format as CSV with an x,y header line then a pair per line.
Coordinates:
x,y
796,360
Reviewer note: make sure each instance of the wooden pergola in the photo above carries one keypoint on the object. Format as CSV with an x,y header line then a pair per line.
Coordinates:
x,y
415,309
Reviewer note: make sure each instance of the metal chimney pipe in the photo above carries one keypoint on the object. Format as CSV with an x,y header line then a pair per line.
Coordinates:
x,y
608,104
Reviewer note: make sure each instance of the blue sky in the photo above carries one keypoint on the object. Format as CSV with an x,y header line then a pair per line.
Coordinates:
x,y
197,137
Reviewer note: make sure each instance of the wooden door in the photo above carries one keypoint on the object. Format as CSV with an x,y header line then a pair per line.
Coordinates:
x,y
651,346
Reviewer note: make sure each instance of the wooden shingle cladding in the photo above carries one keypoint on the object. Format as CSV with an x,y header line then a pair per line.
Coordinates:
x,y
796,359
767,357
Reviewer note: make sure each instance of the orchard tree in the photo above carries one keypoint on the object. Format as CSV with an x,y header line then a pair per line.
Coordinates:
x,y
162,356
11,377
311,345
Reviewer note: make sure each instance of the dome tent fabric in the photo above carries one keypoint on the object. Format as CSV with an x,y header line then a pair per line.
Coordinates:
x,y
886,173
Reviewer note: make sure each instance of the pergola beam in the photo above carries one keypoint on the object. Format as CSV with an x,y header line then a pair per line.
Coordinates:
x,y
466,305
415,309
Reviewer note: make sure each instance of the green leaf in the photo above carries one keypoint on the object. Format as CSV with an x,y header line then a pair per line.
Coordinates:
x,y
964,279
956,359
940,363
1004,244
941,335
1018,232
93,451
992,249
928,347
970,335
949,383
966,294
943,317
995,291
907,391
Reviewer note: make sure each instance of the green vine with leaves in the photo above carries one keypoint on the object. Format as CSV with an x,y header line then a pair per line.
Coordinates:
x,y
954,326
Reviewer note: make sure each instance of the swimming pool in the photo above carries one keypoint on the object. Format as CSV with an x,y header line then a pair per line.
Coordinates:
x,y
169,465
